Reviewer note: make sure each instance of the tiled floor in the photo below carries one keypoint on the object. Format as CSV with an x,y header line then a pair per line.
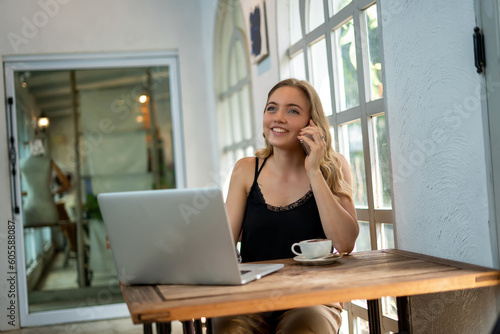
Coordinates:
x,y
124,325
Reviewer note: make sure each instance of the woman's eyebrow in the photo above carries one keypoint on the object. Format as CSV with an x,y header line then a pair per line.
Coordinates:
x,y
294,105
288,105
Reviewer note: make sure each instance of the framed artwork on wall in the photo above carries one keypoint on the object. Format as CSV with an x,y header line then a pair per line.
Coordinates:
x,y
257,30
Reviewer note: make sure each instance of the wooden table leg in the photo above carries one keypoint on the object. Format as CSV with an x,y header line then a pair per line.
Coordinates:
x,y
404,318
210,326
163,327
198,328
147,329
373,316
188,327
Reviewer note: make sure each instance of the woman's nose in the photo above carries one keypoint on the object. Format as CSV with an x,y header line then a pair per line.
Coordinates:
x,y
279,116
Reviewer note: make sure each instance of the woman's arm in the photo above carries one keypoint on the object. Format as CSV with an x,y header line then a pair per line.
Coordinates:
x,y
339,219
239,186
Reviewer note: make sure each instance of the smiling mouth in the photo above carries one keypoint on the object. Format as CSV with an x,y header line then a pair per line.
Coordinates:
x,y
278,130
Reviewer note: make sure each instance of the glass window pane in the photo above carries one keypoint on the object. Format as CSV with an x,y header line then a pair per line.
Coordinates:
x,y
246,112
351,146
361,326
381,179
250,151
360,302
239,154
318,65
316,14
332,133
389,307
346,67
337,5
233,69
240,59
227,163
298,69
344,329
47,237
125,140
363,241
376,88
385,236
29,247
236,118
223,122
295,28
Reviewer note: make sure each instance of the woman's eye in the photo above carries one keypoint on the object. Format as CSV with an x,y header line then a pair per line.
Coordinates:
x,y
271,108
293,111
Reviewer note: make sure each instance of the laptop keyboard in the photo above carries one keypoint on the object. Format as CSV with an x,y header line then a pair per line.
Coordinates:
x,y
243,272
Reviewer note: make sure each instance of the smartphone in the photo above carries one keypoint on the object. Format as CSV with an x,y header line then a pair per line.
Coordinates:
x,y
305,146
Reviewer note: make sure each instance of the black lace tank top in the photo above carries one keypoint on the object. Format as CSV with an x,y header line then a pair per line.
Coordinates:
x,y
270,231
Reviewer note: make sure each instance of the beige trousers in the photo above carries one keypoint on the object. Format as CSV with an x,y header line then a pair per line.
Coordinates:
x,y
319,319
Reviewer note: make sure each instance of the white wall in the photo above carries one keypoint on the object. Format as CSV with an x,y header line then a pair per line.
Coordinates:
x,y
436,130
78,26
437,149
265,74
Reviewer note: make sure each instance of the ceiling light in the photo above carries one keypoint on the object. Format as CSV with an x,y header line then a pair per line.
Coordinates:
x,y
43,122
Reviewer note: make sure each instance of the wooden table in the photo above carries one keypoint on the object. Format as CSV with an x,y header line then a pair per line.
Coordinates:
x,y
364,275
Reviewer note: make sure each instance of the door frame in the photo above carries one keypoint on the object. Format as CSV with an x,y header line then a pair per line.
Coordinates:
x,y
77,62
488,19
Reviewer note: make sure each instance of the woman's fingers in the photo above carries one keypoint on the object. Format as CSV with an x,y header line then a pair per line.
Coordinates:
x,y
314,131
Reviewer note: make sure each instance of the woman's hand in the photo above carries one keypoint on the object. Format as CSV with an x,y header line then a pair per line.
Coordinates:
x,y
317,146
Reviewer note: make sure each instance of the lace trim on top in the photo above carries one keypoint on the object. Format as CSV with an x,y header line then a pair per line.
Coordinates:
x,y
288,207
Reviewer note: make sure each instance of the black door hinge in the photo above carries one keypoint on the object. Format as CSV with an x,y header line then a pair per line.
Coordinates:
x,y
479,54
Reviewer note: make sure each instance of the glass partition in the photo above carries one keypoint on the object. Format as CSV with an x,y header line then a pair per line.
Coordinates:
x,y
81,133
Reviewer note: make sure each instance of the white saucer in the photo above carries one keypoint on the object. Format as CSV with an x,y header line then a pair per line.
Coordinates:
x,y
318,261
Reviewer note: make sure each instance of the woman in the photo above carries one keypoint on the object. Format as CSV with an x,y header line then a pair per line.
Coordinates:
x,y
285,195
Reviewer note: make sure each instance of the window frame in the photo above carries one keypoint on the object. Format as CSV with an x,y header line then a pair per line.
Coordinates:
x,y
77,62
229,153
364,112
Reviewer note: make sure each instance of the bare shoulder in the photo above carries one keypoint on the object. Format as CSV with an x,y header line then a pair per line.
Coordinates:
x,y
346,170
244,166
243,172
342,159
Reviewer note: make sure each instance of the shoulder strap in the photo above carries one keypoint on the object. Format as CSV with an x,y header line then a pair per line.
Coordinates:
x,y
257,169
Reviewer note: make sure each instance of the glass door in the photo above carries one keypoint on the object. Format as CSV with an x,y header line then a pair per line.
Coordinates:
x,y
84,127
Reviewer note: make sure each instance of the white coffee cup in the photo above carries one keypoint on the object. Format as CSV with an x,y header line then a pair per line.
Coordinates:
x,y
313,248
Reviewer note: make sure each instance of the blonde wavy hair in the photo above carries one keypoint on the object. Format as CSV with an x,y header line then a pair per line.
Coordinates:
x,y
330,164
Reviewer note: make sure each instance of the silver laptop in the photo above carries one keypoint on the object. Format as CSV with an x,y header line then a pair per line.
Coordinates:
x,y
174,236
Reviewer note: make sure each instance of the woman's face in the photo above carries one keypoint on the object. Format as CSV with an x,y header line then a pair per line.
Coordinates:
x,y
287,112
